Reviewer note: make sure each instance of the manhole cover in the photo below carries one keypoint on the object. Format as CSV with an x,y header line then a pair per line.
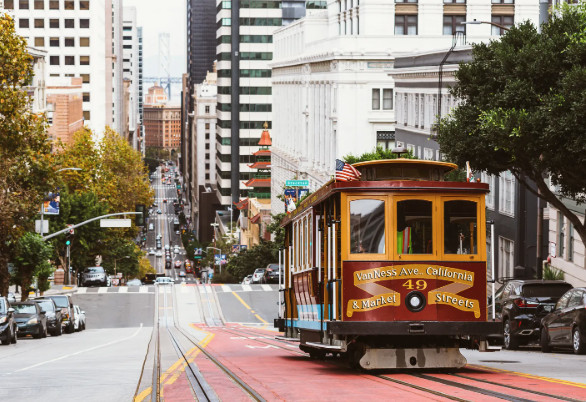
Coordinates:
x,y
499,361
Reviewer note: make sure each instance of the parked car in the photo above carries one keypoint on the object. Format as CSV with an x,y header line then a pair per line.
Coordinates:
x,y
94,276
164,280
151,226
258,275
152,251
247,280
168,264
54,315
65,303
521,304
565,326
79,318
8,327
134,282
31,320
159,211
181,274
272,273
159,254
178,264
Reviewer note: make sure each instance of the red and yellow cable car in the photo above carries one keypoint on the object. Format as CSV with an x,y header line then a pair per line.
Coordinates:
x,y
389,270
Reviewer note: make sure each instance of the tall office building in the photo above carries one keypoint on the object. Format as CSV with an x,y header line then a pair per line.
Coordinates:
x,y
140,87
80,42
201,38
117,71
130,64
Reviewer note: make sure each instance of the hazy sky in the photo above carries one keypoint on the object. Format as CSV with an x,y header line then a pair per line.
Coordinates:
x,y
156,16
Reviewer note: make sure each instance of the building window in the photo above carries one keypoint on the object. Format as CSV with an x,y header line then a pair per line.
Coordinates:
x,y
507,193
69,23
86,114
69,5
428,154
84,5
54,42
39,23
561,236
54,4
453,24
84,60
84,42
207,110
85,78
489,198
39,42
405,24
570,242
54,60
207,125
86,96
405,1
54,23
23,23
23,4
9,4
506,2
454,1
84,23
506,21
69,42
375,99
506,257
385,139
387,99
69,60
39,4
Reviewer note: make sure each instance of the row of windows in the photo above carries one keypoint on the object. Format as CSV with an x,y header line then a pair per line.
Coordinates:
x,y
41,4
249,125
69,60
459,1
244,142
227,158
247,107
226,4
246,73
251,21
246,90
407,24
247,56
56,42
316,5
506,201
53,23
246,39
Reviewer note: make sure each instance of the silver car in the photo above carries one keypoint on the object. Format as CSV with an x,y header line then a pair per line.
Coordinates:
x,y
94,276
79,320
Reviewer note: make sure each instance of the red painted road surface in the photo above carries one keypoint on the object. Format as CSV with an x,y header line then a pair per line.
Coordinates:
x,y
280,372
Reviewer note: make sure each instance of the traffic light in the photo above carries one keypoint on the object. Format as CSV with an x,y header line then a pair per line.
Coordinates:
x,y
67,243
140,219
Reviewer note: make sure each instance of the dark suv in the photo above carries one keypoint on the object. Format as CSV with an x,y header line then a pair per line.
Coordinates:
x,y
94,276
54,315
65,303
8,327
521,304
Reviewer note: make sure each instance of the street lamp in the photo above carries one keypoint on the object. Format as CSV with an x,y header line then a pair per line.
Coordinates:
x,y
494,24
118,259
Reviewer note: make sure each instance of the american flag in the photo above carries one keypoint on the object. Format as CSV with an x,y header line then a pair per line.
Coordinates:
x,y
346,172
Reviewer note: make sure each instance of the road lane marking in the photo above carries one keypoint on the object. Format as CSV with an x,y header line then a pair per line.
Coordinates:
x,y
80,352
123,289
102,290
226,288
266,287
143,289
81,290
248,307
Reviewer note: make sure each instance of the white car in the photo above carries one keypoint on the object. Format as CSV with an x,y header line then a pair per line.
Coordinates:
x,y
258,275
159,254
152,251
167,247
176,250
79,318
247,280
164,280
181,274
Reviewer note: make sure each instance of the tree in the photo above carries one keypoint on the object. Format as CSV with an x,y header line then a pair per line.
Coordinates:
x,y
255,257
32,258
25,151
522,108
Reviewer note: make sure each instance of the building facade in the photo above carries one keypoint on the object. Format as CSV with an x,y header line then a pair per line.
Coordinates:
x,y
130,65
65,109
162,124
79,41
333,95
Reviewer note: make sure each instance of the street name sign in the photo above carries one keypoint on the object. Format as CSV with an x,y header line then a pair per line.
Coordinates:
x,y
114,223
297,183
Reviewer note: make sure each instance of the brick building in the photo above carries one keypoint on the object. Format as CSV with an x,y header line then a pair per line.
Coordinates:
x,y
162,126
65,108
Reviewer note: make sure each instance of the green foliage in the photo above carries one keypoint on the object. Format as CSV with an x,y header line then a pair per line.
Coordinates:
x,y
378,154
522,108
160,154
32,258
255,257
224,277
25,150
551,273
44,271
276,230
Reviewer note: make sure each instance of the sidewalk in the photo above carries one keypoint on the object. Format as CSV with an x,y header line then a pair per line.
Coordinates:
x,y
55,290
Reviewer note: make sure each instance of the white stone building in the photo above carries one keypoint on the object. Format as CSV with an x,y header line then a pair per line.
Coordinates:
x,y
332,94
130,65
78,38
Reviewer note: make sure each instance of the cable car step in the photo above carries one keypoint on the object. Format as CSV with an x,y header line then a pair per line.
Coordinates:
x,y
324,346
283,338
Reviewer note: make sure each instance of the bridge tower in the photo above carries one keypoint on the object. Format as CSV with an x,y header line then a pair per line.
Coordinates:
x,y
165,63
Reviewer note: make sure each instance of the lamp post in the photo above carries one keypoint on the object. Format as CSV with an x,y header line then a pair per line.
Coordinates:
x,y
118,259
494,24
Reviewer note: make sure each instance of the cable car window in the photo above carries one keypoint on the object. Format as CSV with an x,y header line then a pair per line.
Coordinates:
x,y
460,222
367,226
414,227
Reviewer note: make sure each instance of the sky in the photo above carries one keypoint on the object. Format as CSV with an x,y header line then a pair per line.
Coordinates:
x,y
156,16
